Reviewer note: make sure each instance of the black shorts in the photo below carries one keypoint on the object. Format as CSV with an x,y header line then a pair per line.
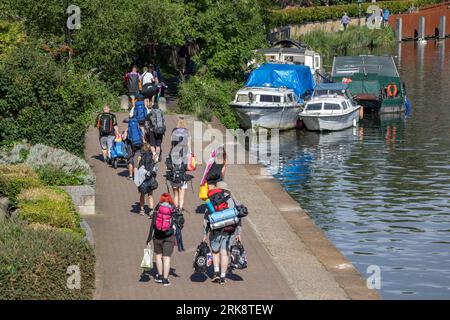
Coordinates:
x,y
154,139
164,246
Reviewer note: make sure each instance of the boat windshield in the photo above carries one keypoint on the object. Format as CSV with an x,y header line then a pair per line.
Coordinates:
x,y
242,98
331,106
269,98
314,107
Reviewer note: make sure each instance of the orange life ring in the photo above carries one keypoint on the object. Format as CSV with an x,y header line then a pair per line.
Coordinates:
x,y
389,90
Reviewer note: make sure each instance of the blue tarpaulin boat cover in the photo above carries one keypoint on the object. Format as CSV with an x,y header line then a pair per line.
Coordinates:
x,y
292,76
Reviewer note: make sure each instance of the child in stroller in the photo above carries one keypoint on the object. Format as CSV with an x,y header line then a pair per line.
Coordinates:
x,y
118,151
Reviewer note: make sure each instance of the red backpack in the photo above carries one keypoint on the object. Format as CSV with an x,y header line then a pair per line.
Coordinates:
x,y
219,198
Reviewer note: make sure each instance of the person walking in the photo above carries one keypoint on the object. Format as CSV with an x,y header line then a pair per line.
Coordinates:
x,y
147,78
217,171
106,123
221,240
132,80
155,130
345,20
162,233
177,166
145,179
134,138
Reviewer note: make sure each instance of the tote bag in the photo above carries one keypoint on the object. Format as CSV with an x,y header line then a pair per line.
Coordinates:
x,y
147,260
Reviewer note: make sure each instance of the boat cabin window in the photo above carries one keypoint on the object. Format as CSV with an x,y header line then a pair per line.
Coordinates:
x,y
316,62
289,98
242,98
269,98
331,106
314,107
344,104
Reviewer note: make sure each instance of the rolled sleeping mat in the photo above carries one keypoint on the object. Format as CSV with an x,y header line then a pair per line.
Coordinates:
x,y
149,90
222,215
224,223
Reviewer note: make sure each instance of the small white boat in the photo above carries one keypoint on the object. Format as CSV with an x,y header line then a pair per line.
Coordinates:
x,y
271,108
273,96
331,108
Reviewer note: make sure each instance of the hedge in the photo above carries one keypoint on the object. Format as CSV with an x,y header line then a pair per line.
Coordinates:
x,y
15,178
300,15
205,96
49,206
34,262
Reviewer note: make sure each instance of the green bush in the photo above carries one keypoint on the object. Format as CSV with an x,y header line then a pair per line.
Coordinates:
x,y
300,15
34,261
49,206
205,96
52,176
47,102
15,178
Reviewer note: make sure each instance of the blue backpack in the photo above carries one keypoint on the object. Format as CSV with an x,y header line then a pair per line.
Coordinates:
x,y
134,133
118,150
140,112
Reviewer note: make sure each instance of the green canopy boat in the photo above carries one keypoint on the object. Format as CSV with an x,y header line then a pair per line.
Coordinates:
x,y
373,80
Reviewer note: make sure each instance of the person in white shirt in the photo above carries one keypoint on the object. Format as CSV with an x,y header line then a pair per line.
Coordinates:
x,y
147,77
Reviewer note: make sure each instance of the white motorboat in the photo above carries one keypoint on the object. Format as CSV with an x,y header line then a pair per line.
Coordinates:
x,y
331,108
273,96
271,108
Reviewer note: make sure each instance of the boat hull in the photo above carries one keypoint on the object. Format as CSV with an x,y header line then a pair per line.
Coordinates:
x,y
276,117
330,122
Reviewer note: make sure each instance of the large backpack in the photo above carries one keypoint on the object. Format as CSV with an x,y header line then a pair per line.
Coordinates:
x,y
140,112
105,124
133,82
147,161
219,199
164,220
149,90
180,136
134,133
201,259
157,122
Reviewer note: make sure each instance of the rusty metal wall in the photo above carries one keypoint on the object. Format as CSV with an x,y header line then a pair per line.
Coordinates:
x,y
432,15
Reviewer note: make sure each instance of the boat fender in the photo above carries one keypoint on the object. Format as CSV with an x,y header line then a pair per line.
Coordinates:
x,y
390,92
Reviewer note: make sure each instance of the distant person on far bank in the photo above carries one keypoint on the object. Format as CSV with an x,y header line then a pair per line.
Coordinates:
x,y
107,127
345,20
132,80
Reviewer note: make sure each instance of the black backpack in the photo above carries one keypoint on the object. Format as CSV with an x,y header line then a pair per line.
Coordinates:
x,y
238,256
105,124
201,258
150,183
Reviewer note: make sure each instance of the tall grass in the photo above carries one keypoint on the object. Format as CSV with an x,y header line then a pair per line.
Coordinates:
x,y
338,43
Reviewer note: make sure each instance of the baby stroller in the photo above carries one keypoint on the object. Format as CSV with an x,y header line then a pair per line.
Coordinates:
x,y
118,152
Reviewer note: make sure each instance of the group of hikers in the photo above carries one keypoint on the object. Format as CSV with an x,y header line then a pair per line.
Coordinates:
x,y
139,145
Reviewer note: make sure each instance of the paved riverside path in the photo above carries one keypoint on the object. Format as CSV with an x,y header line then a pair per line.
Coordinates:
x,y
120,234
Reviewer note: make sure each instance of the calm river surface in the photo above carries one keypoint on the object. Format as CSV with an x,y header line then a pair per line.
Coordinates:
x,y
381,192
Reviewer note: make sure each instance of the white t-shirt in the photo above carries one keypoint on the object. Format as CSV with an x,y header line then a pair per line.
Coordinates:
x,y
147,77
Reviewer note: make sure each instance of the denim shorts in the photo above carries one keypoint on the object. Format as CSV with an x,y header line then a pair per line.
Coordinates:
x,y
221,241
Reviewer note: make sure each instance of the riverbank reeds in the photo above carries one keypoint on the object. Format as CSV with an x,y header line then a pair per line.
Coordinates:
x,y
339,43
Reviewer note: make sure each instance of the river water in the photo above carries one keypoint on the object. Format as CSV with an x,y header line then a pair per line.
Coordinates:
x,y
381,192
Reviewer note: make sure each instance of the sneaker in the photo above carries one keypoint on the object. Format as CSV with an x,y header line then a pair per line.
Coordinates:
x,y
150,214
142,212
159,278
130,178
222,281
216,277
166,282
